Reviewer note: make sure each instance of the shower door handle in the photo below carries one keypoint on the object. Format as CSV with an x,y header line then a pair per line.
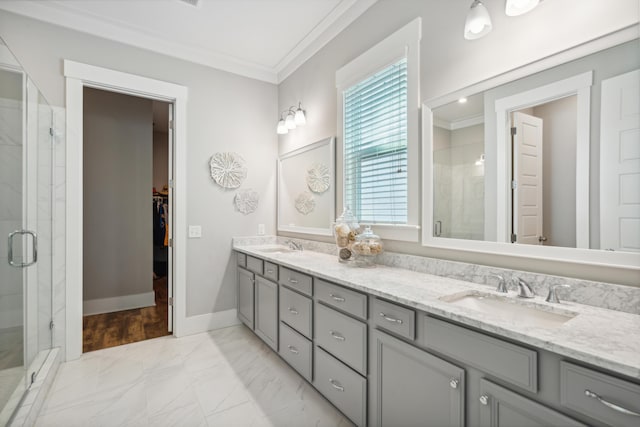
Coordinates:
x,y
34,248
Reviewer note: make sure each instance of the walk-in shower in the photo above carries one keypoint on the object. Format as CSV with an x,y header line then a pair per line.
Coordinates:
x,y
26,219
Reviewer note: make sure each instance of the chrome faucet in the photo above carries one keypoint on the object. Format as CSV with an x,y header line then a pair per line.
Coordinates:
x,y
293,245
502,284
524,289
553,295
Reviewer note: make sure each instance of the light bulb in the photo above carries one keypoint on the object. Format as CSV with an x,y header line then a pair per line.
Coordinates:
x,y
519,7
282,128
300,119
478,22
462,100
290,122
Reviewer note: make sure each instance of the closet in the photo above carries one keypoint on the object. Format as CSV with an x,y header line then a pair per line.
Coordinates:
x,y
126,231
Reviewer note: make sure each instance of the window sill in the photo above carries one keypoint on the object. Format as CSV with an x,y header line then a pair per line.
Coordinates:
x,y
400,232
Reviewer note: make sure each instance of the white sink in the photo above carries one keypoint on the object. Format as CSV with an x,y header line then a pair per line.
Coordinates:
x,y
275,249
511,309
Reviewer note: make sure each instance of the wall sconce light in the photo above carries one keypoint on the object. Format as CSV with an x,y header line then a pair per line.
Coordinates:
x,y
519,7
478,21
480,160
290,119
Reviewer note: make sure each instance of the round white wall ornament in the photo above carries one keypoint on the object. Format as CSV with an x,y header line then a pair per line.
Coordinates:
x,y
318,178
228,170
246,201
305,203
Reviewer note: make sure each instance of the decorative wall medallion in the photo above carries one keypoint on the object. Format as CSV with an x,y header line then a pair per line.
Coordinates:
x,y
318,178
246,201
305,203
228,170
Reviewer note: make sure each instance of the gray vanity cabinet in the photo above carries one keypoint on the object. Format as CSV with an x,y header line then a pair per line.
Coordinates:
x,y
410,387
266,311
245,296
500,407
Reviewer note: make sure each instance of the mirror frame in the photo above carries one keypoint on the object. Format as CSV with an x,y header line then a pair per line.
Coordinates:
x,y
577,255
331,143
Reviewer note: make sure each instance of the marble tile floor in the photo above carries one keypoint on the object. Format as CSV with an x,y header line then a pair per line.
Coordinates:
x,y
227,377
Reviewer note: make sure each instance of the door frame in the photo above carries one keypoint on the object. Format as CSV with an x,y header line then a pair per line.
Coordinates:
x,y
78,76
579,85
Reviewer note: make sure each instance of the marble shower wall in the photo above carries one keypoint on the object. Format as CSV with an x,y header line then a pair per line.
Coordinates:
x,y
597,294
59,228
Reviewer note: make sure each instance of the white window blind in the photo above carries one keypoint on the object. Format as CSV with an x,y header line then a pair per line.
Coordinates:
x,y
375,146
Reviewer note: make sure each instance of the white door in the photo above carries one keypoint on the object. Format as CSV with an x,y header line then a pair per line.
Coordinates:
x,y
527,188
620,163
170,224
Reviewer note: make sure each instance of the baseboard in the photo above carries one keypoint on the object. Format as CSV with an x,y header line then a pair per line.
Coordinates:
x,y
125,302
207,322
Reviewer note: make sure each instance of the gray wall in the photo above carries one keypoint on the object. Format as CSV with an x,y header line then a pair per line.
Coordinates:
x,y
118,221
449,63
225,112
559,170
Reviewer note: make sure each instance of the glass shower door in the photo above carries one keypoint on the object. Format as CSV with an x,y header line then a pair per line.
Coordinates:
x,y
26,164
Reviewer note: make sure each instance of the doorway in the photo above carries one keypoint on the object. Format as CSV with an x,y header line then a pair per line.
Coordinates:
x,y
126,233
78,76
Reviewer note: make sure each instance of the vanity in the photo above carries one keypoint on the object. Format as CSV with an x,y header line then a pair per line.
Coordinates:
x,y
389,346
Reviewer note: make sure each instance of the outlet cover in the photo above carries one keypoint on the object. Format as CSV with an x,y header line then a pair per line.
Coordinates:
x,y
260,229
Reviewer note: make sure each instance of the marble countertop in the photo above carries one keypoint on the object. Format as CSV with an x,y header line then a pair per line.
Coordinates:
x,y
604,338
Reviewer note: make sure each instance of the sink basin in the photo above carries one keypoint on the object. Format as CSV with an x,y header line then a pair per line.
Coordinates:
x,y
276,249
511,309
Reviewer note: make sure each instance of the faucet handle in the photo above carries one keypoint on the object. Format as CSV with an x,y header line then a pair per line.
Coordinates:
x,y
552,296
502,284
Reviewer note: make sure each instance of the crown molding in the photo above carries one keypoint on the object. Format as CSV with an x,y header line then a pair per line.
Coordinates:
x,y
340,18
59,14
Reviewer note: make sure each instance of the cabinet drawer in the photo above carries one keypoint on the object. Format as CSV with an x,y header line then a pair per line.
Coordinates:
x,y
394,318
599,396
295,311
295,280
242,259
254,264
509,362
344,299
342,336
271,271
341,386
296,350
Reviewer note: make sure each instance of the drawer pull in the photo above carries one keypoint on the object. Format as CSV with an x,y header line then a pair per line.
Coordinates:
x,y
454,383
335,384
269,271
294,281
292,311
391,319
336,298
292,349
337,336
484,399
613,406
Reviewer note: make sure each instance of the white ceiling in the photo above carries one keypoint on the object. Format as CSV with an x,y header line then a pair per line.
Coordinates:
x,y
262,39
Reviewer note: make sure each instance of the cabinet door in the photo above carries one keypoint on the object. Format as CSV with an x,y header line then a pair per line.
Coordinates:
x,y
245,296
410,387
500,407
266,314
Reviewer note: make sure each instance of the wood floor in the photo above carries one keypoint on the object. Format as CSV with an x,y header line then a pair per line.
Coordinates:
x,y
123,327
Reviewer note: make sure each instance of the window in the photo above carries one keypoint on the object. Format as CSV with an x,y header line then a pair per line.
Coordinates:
x,y
375,146
378,98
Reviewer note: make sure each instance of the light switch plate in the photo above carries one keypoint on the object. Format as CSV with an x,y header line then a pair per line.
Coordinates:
x,y
195,231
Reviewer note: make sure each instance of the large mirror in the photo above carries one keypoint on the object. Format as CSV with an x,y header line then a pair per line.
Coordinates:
x,y
306,189
544,163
